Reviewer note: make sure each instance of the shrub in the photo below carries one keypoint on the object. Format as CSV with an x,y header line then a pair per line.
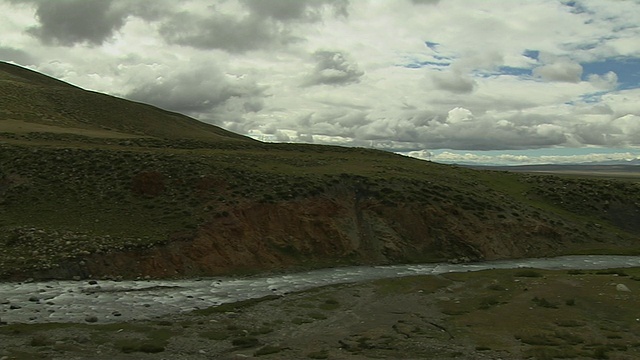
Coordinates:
x,y
488,302
41,340
570,302
569,323
542,302
329,304
570,338
215,335
496,287
149,183
612,272
266,350
323,354
261,330
528,273
317,316
600,352
537,339
300,321
151,348
245,342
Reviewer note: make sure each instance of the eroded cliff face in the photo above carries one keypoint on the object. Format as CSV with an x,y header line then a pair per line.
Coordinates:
x,y
329,231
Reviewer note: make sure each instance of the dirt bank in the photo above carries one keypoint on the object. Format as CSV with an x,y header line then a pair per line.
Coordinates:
x,y
330,231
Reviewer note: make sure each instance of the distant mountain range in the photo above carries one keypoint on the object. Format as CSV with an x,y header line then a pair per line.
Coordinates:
x,y
613,167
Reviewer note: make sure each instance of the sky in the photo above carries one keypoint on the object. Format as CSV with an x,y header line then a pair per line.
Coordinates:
x,y
455,81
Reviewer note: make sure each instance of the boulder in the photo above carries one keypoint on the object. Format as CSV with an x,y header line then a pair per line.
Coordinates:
x,y
622,287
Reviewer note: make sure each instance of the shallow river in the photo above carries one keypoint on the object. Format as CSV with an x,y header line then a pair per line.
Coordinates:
x,y
110,301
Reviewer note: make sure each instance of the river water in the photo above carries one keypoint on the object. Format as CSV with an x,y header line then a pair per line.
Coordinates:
x,y
110,301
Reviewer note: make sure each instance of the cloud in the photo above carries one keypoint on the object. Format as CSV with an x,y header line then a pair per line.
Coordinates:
x,y
334,122
201,90
15,55
463,75
606,81
332,68
225,32
522,157
562,70
452,81
629,128
459,115
92,22
425,2
298,10
69,22
263,24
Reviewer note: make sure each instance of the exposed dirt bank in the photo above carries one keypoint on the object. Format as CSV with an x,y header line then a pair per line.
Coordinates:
x,y
329,231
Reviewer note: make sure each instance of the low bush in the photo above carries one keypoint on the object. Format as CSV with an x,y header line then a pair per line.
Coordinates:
x,y
245,342
570,302
538,339
268,350
542,302
612,272
486,303
323,354
528,273
329,304
41,340
496,287
215,335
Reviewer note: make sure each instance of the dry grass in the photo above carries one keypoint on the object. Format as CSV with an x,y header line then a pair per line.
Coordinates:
x,y
535,312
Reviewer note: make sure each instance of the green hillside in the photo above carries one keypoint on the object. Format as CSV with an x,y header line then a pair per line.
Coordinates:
x,y
32,102
96,186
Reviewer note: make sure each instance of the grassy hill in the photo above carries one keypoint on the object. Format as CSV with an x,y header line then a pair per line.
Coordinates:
x,y
96,186
33,102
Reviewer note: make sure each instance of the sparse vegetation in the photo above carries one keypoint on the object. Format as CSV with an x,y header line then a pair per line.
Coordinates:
x,y
329,304
41,340
322,354
616,272
217,334
570,302
268,350
153,195
528,273
486,303
245,342
542,302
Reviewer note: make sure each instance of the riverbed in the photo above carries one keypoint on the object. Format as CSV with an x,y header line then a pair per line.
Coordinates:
x,y
113,301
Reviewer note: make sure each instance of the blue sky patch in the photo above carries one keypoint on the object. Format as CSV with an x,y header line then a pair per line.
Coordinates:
x,y
532,54
421,64
508,70
593,98
432,45
575,7
627,69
